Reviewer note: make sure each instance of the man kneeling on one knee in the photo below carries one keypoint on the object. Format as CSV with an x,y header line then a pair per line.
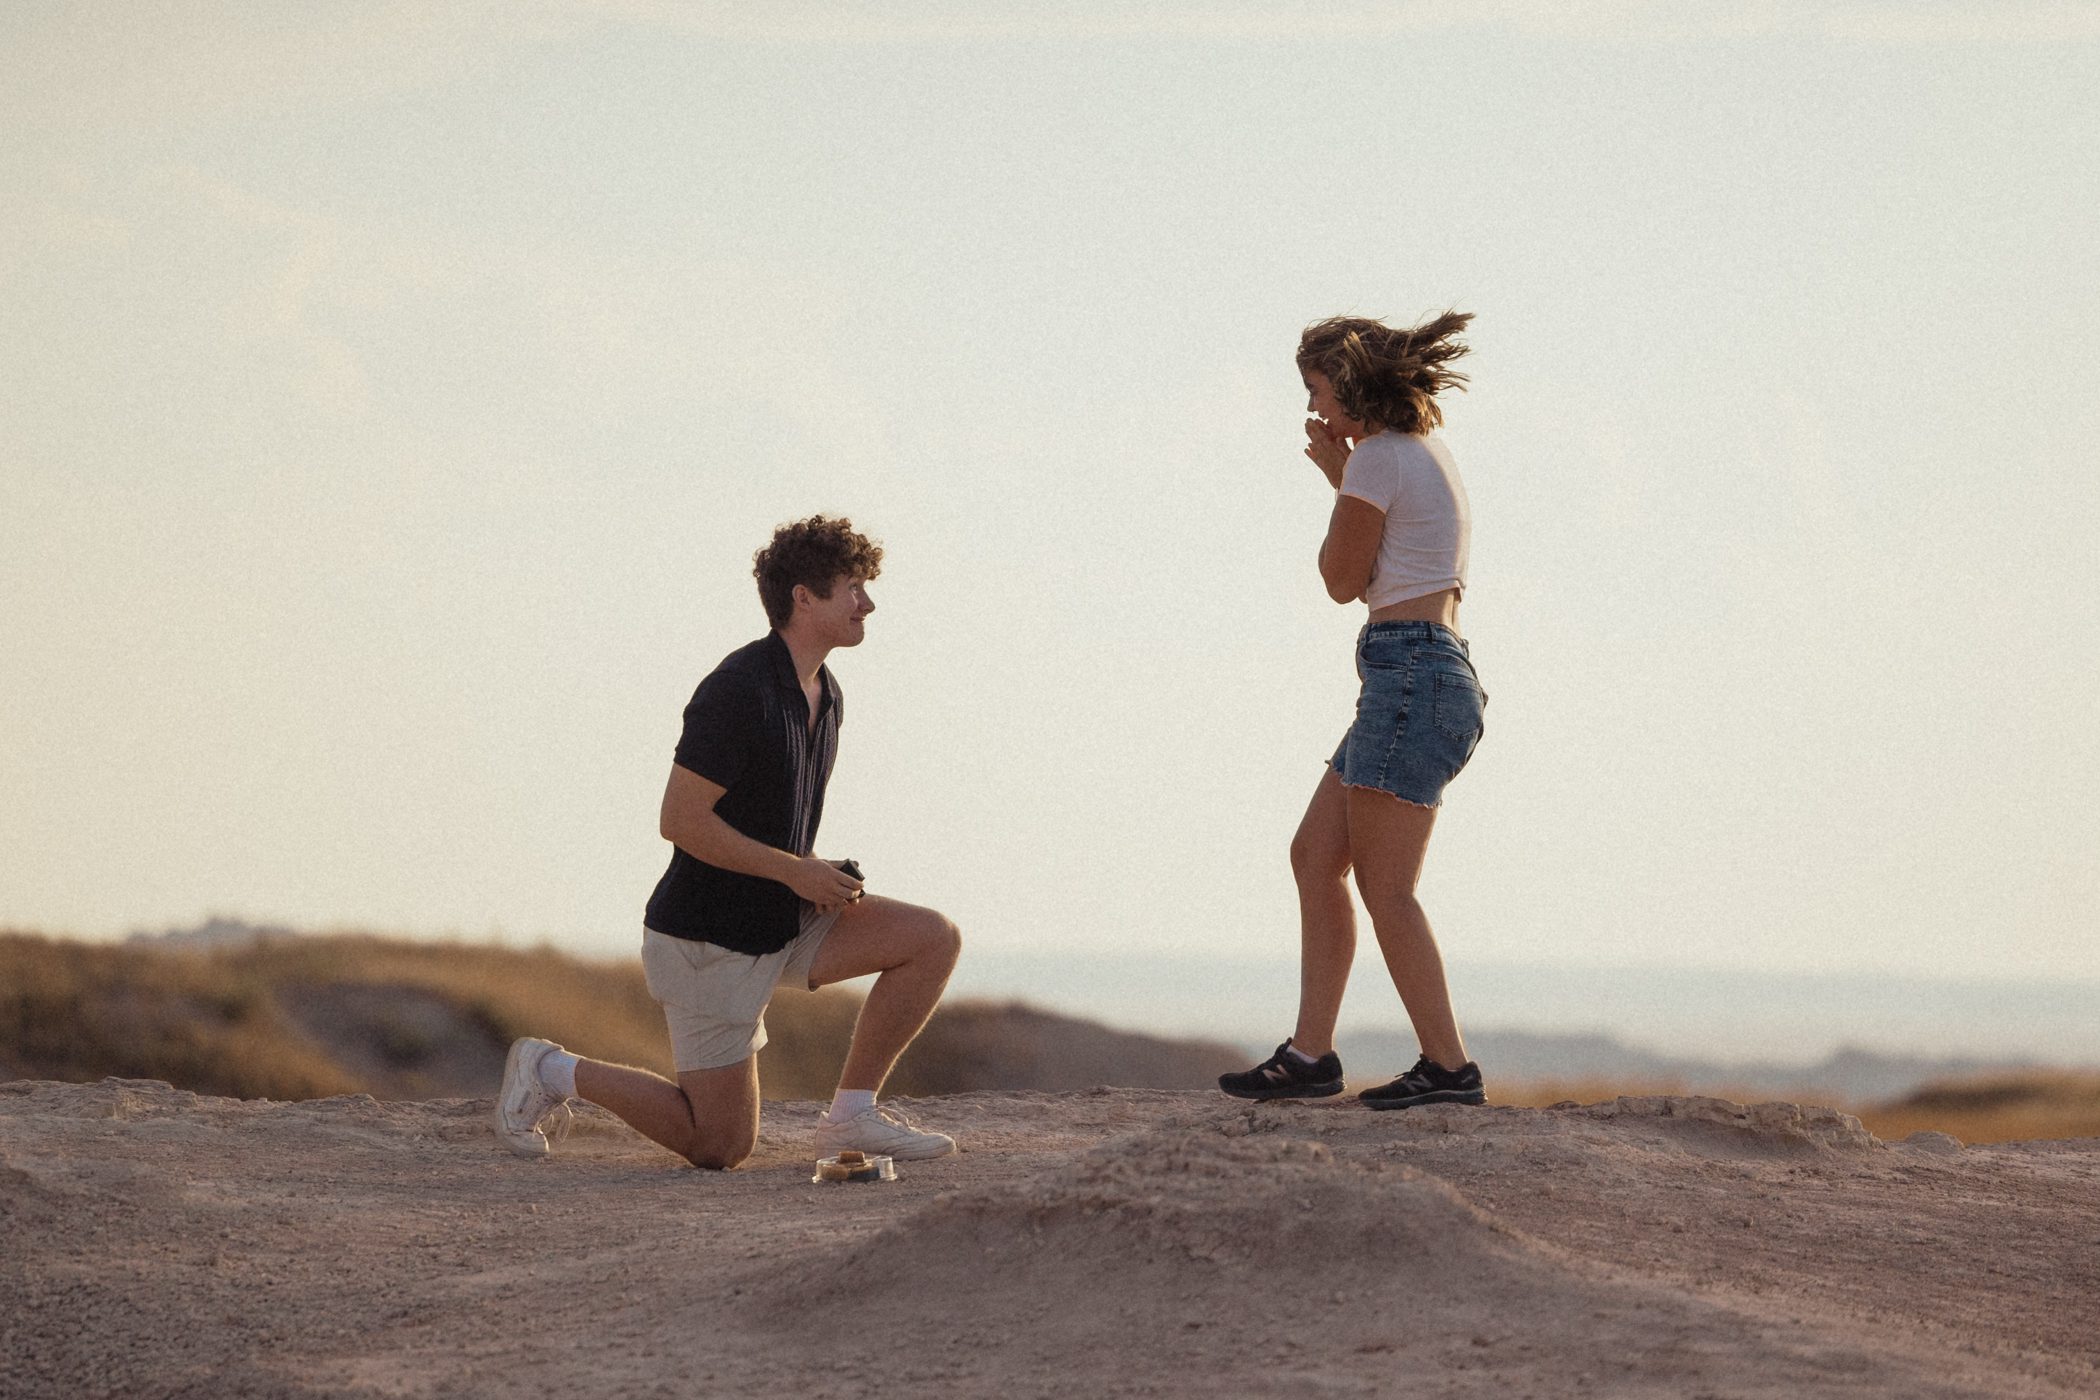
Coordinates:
x,y
745,906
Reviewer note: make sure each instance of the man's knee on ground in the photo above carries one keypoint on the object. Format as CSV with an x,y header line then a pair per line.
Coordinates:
x,y
717,1140
716,1161
717,1152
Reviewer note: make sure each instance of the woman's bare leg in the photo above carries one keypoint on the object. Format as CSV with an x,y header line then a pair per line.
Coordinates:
x,y
1326,919
1387,841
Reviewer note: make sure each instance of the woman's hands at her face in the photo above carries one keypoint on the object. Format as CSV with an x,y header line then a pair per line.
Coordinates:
x,y
1328,449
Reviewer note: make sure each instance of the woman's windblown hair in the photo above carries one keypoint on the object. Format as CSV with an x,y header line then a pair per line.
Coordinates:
x,y
1385,376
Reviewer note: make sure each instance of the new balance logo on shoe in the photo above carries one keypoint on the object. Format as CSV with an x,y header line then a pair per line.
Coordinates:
x,y
1285,1076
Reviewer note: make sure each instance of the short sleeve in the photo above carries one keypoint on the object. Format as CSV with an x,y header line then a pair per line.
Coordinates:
x,y
1372,474
723,724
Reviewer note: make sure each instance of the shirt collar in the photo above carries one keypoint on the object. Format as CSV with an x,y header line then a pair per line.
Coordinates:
x,y
784,670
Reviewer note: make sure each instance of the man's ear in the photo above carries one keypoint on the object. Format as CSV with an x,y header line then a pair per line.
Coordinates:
x,y
801,597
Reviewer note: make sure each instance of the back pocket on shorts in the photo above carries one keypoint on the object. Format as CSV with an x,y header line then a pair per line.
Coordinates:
x,y
1459,706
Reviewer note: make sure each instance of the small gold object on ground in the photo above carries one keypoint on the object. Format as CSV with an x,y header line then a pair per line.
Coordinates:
x,y
855,1166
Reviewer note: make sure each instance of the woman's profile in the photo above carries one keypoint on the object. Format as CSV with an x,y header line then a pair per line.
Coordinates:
x,y
1397,540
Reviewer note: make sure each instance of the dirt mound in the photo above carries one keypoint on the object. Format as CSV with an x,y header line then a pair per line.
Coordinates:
x,y
1178,1238
1278,1213
1734,1129
1284,1263
1666,1125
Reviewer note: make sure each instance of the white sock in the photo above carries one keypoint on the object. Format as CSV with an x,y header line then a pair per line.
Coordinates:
x,y
558,1072
1301,1057
848,1102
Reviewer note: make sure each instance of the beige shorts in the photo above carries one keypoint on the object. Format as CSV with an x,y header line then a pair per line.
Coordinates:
x,y
714,1000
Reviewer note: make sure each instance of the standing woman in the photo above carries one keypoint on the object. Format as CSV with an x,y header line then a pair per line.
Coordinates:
x,y
1398,540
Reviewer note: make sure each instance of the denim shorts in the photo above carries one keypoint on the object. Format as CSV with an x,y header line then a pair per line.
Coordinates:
x,y
1420,713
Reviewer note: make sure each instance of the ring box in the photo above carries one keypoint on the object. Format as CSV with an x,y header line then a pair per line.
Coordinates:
x,y
855,1166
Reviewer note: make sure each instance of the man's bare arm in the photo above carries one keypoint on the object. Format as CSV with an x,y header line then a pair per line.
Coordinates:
x,y
689,821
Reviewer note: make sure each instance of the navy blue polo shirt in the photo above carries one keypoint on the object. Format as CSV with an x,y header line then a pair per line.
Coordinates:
x,y
747,728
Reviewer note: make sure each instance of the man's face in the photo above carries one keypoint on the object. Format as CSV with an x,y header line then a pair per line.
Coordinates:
x,y
842,619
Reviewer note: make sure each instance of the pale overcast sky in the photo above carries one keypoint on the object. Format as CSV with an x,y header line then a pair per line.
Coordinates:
x,y
394,396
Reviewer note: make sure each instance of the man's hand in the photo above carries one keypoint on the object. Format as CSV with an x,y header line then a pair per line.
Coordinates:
x,y
690,822
823,884
1328,449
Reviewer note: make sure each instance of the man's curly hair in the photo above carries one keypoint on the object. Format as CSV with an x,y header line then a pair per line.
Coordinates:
x,y
815,553
1385,377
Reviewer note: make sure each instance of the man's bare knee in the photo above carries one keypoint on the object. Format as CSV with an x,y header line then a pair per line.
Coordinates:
x,y
940,942
717,1154
716,1161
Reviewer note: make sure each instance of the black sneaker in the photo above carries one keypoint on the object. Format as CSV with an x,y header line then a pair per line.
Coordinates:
x,y
1285,1076
1429,1082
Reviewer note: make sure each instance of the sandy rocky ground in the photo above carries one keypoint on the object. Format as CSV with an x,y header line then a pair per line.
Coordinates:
x,y
154,1243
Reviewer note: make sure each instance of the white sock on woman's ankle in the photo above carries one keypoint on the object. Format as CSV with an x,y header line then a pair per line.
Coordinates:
x,y
558,1072
848,1102
1301,1057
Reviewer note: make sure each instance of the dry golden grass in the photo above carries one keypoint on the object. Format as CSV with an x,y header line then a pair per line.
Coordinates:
x,y
2007,1108
2003,1108
81,1011
216,1022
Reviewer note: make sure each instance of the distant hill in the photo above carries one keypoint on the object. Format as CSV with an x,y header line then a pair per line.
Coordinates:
x,y
2017,1107
1011,1045
255,1012
217,931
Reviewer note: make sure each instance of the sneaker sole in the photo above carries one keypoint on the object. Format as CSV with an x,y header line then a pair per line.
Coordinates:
x,y
1466,1096
1294,1091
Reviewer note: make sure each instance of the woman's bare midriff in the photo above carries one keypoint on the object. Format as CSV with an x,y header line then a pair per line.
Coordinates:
x,y
1430,607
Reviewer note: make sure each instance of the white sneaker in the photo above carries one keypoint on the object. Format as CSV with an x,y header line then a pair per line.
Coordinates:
x,y
882,1130
524,1106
